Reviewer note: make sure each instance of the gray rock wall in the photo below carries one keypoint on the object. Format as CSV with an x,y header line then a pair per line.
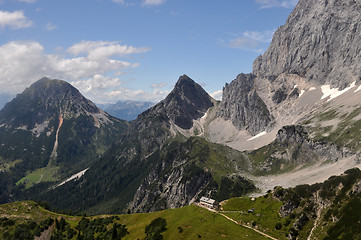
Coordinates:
x,y
320,41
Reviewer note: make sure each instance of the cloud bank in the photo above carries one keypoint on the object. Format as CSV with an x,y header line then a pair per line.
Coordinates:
x,y
277,3
14,20
94,67
252,41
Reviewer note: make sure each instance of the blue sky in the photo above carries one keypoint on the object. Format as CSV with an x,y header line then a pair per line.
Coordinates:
x,y
133,49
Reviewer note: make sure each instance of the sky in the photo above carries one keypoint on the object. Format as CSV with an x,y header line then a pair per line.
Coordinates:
x,y
136,50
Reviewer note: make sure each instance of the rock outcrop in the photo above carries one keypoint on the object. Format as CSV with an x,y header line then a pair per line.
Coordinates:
x,y
319,42
242,105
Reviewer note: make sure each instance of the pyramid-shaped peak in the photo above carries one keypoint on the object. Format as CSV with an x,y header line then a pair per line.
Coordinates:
x,y
187,101
43,100
184,79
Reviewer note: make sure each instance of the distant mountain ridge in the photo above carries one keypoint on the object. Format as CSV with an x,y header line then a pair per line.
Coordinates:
x,y
126,110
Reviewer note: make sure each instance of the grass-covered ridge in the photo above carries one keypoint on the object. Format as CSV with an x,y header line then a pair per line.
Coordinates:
x,y
191,222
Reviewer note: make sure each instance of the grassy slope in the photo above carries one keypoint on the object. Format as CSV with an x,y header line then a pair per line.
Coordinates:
x,y
345,134
264,218
196,222
47,174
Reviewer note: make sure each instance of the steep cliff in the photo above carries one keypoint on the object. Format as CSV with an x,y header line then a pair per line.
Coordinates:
x,y
319,42
242,105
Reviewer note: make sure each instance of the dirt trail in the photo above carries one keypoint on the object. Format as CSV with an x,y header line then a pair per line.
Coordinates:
x,y
319,211
238,223
46,235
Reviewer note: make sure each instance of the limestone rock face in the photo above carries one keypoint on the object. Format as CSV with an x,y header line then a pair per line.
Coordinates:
x,y
188,101
242,105
320,42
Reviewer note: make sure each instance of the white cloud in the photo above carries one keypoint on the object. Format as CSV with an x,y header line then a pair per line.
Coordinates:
x,y
95,77
158,85
277,3
251,41
14,20
50,26
119,1
28,1
102,50
153,2
127,3
217,95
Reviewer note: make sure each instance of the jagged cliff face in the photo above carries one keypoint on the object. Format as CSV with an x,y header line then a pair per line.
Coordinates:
x,y
311,59
319,42
242,105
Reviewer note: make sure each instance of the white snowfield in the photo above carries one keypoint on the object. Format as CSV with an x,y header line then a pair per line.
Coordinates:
x,y
75,176
334,92
257,136
358,89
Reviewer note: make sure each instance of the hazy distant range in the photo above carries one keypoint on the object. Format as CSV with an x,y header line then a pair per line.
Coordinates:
x,y
126,110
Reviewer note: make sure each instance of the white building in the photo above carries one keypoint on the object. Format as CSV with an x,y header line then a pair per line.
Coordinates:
x,y
207,202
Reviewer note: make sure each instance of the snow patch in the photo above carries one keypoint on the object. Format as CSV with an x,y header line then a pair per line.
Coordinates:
x,y
99,118
257,136
39,128
295,86
22,128
358,89
312,88
302,92
327,91
75,176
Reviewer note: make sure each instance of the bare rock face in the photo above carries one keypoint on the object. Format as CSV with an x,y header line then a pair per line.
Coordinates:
x,y
320,42
242,105
188,101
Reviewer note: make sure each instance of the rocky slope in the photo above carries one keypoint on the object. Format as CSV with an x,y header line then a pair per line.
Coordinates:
x,y
242,105
189,170
314,58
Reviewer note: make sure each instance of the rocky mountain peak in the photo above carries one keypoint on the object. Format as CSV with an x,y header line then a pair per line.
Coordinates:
x,y
319,42
188,101
45,100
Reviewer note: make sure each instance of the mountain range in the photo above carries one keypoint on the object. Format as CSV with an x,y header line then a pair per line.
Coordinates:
x,y
294,120
126,110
